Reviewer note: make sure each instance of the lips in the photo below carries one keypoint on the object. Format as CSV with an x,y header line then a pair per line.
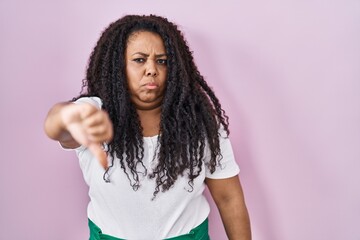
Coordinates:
x,y
151,85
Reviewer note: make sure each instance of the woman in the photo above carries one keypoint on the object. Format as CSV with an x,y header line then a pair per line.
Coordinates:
x,y
159,135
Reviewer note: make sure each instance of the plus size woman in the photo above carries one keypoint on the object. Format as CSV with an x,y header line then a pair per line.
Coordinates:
x,y
150,135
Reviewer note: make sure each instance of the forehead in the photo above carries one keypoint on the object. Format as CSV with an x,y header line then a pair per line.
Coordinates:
x,y
145,41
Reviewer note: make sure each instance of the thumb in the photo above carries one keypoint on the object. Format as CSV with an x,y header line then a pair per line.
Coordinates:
x,y
99,153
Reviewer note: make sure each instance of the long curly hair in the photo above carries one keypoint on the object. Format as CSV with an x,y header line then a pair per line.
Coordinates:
x,y
191,114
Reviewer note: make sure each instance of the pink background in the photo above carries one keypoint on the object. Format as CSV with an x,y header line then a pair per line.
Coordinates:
x,y
287,72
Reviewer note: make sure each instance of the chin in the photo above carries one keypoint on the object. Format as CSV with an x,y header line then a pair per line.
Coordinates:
x,y
148,98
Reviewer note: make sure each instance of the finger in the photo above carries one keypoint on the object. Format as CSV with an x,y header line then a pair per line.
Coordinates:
x,y
98,130
86,110
78,133
96,149
93,120
100,133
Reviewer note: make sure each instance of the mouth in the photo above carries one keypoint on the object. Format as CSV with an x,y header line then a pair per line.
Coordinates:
x,y
151,86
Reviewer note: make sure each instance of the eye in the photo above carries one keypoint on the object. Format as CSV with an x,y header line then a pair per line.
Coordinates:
x,y
162,61
139,60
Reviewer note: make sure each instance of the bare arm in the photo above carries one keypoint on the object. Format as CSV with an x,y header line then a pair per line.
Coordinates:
x,y
79,124
229,198
55,126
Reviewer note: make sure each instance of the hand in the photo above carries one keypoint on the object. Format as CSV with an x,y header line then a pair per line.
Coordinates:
x,y
88,126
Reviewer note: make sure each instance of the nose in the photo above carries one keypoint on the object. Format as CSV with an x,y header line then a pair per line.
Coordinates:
x,y
151,70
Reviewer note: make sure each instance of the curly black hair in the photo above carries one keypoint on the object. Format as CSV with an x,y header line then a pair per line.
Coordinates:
x,y
191,114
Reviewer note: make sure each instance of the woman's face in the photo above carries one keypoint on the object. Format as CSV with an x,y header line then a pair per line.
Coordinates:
x,y
146,69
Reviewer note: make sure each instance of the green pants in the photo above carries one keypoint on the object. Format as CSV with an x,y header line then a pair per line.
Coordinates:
x,y
201,232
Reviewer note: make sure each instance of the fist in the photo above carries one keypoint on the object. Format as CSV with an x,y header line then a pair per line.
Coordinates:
x,y
89,126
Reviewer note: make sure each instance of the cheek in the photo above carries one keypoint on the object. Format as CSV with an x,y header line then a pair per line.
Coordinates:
x,y
133,77
133,87
164,76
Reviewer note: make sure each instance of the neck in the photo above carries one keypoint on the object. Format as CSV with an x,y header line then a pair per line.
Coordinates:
x,y
150,121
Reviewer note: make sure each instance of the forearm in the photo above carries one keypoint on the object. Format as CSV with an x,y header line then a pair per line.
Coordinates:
x,y
229,198
235,218
54,126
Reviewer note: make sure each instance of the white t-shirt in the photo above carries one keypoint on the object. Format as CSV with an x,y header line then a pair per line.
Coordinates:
x,y
121,212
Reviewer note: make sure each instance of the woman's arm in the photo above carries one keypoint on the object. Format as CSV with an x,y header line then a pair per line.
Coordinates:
x,y
79,124
55,126
229,198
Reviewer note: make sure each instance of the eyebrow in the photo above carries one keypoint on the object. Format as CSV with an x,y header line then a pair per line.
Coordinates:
x,y
147,55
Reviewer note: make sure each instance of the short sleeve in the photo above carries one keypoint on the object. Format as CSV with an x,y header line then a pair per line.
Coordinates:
x,y
95,101
227,167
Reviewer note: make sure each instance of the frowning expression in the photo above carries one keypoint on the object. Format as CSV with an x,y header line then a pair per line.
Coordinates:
x,y
146,69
